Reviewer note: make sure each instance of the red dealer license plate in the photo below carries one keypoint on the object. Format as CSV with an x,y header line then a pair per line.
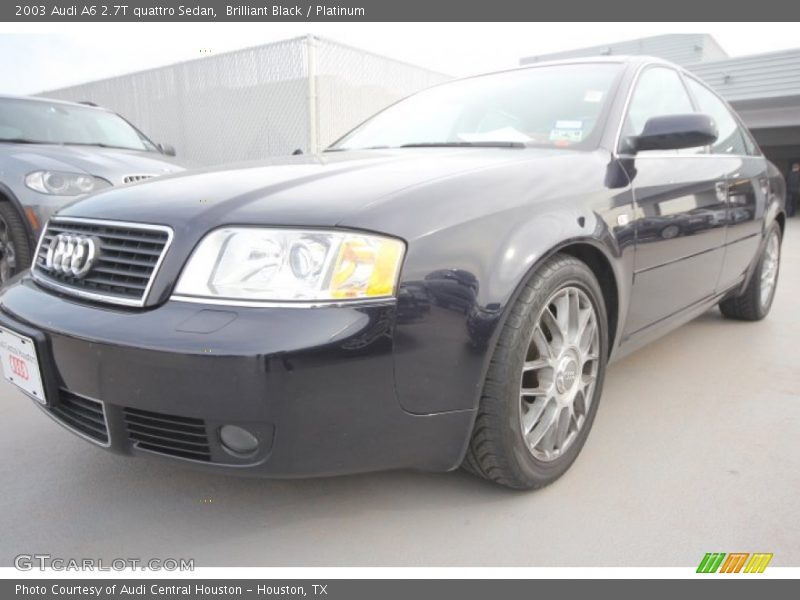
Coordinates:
x,y
21,363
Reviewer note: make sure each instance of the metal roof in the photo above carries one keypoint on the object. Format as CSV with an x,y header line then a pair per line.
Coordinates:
x,y
764,88
754,77
680,48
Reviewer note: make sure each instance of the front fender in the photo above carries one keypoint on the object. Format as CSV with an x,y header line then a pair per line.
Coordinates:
x,y
473,239
459,285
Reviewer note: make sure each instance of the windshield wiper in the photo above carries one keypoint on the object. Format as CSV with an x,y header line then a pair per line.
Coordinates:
x,y
22,141
487,144
364,148
99,145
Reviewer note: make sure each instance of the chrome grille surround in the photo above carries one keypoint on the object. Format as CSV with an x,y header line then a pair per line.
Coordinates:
x,y
126,264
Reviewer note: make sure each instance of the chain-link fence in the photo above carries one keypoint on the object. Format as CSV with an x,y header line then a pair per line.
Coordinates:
x,y
352,85
270,100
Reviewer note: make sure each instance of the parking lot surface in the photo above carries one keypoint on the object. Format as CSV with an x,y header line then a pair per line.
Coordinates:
x,y
696,448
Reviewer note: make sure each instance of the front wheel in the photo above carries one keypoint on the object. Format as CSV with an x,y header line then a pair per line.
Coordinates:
x,y
544,381
756,300
15,250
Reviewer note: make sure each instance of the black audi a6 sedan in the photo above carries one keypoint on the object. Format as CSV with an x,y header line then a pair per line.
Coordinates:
x,y
442,287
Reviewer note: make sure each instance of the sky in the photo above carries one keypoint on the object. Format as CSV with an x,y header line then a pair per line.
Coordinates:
x,y
38,57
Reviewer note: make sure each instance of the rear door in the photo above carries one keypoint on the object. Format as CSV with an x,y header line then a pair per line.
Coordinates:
x,y
747,182
680,208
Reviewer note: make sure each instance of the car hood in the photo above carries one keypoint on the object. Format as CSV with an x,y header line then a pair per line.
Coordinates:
x,y
327,190
111,164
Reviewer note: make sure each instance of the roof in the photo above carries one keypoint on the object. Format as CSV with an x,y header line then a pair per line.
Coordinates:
x,y
754,77
50,101
627,60
679,48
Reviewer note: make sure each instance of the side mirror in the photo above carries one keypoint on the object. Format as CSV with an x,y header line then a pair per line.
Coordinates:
x,y
673,132
167,149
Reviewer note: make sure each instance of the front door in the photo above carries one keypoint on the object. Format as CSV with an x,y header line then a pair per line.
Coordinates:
x,y
680,209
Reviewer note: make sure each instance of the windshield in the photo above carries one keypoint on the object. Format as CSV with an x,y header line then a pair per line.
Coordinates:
x,y
38,122
555,106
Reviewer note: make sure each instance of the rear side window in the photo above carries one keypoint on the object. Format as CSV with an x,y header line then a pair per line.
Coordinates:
x,y
731,139
659,92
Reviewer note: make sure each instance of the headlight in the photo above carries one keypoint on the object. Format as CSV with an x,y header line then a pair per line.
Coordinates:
x,y
290,264
64,184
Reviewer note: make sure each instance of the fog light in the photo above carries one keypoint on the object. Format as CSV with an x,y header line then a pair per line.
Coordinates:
x,y
237,440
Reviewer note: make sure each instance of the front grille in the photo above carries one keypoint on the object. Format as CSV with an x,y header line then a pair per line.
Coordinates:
x,y
134,178
126,261
183,437
85,416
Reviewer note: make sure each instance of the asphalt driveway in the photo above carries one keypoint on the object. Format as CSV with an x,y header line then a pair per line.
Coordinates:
x,y
696,448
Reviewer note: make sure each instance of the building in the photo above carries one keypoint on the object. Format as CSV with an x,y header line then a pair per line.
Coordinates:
x,y
680,48
763,88
298,94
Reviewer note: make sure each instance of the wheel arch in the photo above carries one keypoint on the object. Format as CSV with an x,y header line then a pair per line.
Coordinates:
x,y
599,258
600,265
595,256
781,219
7,195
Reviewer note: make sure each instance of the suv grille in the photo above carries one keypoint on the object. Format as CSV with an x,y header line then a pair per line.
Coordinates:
x,y
184,437
85,416
125,263
134,178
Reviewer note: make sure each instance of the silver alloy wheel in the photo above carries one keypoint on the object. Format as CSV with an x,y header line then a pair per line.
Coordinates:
x,y
559,374
8,255
769,268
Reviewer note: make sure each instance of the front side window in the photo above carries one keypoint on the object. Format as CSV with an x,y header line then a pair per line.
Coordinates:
x,y
40,122
553,106
731,139
659,92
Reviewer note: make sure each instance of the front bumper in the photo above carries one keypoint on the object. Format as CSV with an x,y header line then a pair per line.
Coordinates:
x,y
315,386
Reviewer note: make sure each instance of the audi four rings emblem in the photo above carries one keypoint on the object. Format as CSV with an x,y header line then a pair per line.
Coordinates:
x,y
71,254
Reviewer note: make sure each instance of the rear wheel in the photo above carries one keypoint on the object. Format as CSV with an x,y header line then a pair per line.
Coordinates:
x,y
756,300
544,382
15,249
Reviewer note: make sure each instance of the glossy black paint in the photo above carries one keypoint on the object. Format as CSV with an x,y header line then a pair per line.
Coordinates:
x,y
674,132
315,387
343,389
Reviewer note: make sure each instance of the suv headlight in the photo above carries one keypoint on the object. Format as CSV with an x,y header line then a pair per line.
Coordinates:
x,y
259,264
61,183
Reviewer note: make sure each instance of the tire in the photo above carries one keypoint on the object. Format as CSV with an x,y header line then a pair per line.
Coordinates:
x,y
670,232
499,450
755,302
15,246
